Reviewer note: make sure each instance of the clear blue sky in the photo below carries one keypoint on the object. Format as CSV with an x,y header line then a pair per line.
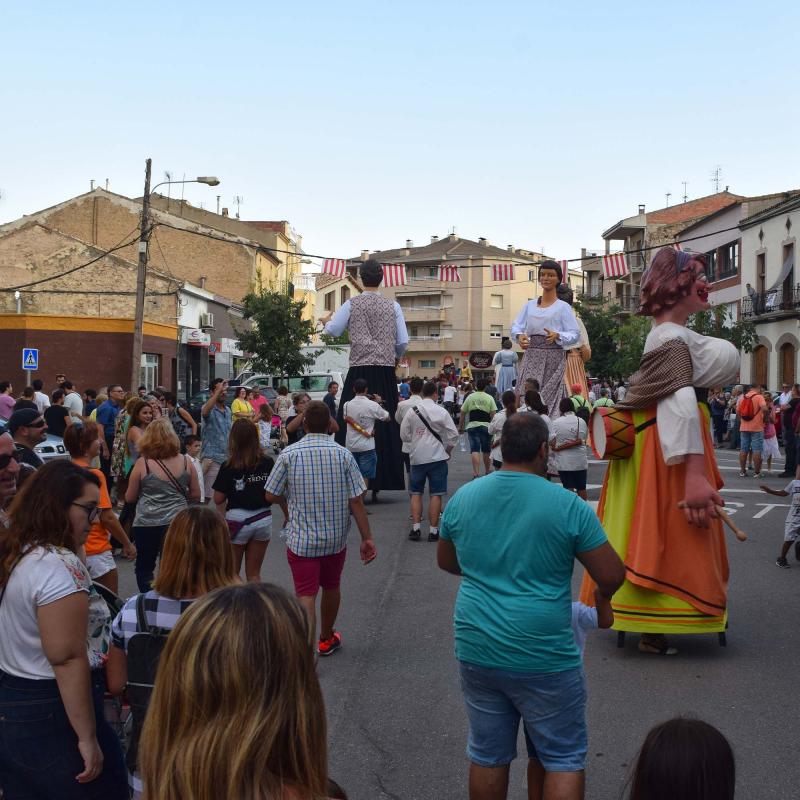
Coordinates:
x,y
366,123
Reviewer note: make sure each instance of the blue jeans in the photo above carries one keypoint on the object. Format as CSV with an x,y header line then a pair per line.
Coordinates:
x,y
367,463
752,441
552,707
39,756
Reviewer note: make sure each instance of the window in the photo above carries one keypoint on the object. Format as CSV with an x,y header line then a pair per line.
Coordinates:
x,y
149,372
531,274
711,265
344,295
496,301
427,363
329,300
424,273
495,331
413,330
730,261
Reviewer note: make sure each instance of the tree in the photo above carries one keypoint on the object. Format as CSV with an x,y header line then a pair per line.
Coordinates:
x,y
277,334
601,325
716,322
630,337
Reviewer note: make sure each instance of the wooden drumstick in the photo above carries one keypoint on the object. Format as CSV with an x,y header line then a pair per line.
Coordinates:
x,y
737,532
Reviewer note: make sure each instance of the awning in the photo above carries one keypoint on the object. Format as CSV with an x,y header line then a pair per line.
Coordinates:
x,y
787,267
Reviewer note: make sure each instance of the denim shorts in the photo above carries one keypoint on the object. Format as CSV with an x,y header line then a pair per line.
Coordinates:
x,y
435,473
751,441
367,463
479,439
573,479
552,707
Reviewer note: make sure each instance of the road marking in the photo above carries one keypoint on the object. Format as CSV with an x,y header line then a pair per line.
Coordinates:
x,y
769,507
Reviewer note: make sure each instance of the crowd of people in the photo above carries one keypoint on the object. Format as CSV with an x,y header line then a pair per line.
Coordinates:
x,y
234,708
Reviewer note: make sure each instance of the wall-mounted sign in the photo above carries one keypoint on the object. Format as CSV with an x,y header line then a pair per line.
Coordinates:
x,y
481,360
214,348
195,337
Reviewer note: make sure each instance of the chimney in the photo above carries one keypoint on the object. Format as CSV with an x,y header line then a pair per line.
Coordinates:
x,y
511,248
641,208
483,241
91,189
202,281
409,243
434,239
224,212
364,255
452,237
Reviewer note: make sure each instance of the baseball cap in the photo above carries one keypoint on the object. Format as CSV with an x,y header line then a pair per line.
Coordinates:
x,y
22,418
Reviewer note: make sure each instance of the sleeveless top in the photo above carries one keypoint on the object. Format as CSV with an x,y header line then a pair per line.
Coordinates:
x,y
373,331
159,499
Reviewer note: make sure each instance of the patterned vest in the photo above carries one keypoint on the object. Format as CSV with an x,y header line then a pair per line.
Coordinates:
x,y
373,331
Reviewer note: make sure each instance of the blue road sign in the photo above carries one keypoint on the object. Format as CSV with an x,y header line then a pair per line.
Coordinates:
x,y
30,358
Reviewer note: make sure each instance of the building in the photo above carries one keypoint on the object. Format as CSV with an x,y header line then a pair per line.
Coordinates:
x,y
637,236
80,320
449,323
771,298
332,293
719,237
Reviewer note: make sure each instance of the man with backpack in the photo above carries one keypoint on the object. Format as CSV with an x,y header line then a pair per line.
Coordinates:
x,y
583,408
750,411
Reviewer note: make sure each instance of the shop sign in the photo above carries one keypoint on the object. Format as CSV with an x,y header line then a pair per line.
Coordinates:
x,y
214,348
481,360
194,337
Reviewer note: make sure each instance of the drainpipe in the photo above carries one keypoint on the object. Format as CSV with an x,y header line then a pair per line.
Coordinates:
x,y
18,298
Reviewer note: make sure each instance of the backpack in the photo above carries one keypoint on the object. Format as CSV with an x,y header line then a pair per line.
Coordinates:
x,y
144,651
747,409
582,411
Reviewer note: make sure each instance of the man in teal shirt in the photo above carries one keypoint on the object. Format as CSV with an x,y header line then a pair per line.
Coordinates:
x,y
476,414
513,633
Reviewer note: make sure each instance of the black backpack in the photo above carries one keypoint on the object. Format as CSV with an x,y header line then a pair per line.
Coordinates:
x,y
144,651
582,410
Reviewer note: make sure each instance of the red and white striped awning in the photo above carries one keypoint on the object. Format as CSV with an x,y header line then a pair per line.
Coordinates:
x,y
448,273
394,274
502,272
334,266
615,265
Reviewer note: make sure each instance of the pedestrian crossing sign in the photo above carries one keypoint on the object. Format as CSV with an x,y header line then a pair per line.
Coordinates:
x,y
30,358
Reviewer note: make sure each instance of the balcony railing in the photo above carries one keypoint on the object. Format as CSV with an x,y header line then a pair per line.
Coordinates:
x,y
776,301
425,313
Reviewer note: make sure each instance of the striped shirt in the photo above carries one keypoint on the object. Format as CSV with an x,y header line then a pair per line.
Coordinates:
x,y
318,478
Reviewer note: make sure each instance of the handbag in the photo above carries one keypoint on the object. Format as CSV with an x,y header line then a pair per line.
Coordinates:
x,y
235,525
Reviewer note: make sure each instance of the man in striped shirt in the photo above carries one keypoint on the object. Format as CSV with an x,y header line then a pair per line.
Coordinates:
x,y
323,487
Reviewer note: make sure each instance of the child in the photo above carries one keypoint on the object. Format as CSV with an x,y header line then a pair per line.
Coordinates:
x,y
585,618
791,530
770,435
264,427
192,444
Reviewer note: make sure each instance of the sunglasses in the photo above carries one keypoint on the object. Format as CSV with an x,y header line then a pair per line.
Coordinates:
x,y
38,424
7,459
92,512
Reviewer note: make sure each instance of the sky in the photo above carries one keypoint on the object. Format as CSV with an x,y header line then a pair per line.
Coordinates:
x,y
364,124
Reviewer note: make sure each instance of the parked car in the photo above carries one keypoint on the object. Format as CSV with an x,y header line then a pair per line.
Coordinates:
x,y
51,449
315,384
195,403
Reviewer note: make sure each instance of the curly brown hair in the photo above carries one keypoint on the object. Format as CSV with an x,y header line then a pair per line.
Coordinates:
x,y
668,279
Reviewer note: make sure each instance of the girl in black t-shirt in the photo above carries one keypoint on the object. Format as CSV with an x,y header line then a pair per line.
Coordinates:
x,y
239,495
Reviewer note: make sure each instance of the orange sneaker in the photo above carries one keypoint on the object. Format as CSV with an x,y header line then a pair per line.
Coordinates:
x,y
327,647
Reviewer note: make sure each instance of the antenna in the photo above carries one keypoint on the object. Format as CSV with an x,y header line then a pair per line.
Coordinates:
x,y
668,195
685,196
237,201
168,178
106,184
218,197
716,177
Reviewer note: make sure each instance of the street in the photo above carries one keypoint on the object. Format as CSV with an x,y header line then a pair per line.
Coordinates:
x,y
397,728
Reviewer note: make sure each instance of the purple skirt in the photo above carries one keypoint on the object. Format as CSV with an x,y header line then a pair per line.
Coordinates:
x,y
545,363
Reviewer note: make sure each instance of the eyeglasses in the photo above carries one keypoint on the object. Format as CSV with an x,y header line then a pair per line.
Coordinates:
x,y
5,460
92,512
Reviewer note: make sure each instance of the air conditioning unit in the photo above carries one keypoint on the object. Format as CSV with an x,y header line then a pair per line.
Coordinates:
x,y
207,320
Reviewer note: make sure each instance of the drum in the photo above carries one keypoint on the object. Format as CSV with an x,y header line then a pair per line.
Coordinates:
x,y
613,432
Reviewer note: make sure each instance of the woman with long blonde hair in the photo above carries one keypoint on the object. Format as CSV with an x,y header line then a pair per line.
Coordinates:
x,y
196,559
237,710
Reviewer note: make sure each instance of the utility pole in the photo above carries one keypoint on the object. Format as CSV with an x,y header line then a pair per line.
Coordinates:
x,y
141,281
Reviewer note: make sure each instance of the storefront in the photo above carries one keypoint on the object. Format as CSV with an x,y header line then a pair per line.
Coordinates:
x,y
193,361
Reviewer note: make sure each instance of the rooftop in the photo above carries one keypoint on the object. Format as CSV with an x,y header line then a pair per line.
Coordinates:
x,y
448,248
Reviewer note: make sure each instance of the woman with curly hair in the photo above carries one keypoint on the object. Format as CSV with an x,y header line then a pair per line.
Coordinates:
x,y
653,502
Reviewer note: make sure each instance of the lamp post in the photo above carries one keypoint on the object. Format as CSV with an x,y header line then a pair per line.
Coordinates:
x,y
141,273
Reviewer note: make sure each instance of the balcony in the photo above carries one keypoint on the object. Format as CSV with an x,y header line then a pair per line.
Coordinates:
x,y
774,304
431,342
425,313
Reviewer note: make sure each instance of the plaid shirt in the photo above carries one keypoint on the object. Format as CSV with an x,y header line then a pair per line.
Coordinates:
x,y
318,478
159,611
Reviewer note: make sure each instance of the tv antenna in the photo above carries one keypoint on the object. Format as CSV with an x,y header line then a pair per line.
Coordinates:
x,y
716,177
237,201
668,195
685,196
168,178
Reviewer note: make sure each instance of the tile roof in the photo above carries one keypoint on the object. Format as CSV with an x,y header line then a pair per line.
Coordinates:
x,y
700,207
447,248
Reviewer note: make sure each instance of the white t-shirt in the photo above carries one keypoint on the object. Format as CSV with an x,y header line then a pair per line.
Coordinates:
x,y
199,470
42,401
424,448
584,619
564,429
365,412
41,577
449,394
73,402
495,429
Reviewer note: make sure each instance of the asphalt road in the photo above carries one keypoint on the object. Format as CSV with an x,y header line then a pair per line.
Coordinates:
x,y
397,728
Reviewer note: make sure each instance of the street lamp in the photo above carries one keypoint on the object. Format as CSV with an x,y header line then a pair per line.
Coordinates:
x,y
141,274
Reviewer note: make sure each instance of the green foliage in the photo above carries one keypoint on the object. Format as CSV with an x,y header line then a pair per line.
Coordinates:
x,y
716,322
278,333
336,341
630,337
601,326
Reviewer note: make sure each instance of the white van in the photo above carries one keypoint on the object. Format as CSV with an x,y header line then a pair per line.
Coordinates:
x,y
315,384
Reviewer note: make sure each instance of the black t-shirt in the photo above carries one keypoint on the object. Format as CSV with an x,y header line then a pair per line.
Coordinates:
x,y
55,417
296,435
27,456
244,488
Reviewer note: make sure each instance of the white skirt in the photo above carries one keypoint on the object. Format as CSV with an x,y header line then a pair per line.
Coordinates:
x,y
771,448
